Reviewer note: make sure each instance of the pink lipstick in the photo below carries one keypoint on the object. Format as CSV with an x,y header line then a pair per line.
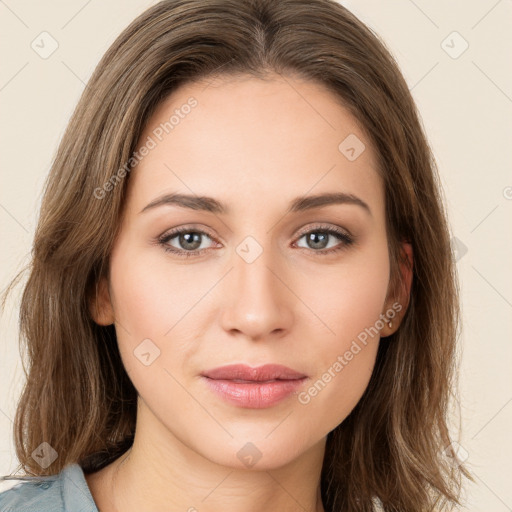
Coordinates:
x,y
254,388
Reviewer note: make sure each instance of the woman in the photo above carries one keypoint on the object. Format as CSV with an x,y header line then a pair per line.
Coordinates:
x,y
242,294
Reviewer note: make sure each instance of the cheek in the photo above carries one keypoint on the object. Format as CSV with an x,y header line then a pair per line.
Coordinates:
x,y
346,343
150,294
338,387
346,298
159,311
149,305
138,303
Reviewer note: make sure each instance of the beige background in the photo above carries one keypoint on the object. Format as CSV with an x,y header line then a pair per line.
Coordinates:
x,y
466,105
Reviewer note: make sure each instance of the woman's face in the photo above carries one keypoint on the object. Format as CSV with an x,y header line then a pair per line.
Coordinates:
x,y
257,276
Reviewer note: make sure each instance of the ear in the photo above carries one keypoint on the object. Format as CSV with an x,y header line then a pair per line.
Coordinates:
x,y
398,299
100,306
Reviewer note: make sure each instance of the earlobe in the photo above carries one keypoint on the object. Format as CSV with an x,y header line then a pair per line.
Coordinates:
x,y
398,302
100,306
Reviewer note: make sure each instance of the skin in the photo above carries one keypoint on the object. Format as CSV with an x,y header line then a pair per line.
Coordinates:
x,y
254,145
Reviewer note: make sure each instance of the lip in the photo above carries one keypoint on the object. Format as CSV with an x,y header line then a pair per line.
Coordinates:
x,y
254,388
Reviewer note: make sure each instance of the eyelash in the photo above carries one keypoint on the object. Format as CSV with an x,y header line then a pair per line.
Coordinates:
x,y
344,237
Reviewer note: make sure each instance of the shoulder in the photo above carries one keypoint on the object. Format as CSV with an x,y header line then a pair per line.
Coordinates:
x,y
65,491
26,494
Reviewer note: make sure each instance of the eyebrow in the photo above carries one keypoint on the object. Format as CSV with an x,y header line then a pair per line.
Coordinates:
x,y
298,204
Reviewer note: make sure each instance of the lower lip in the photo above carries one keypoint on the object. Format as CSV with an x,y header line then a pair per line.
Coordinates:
x,y
254,395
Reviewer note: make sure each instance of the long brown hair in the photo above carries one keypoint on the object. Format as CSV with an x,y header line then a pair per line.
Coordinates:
x,y
394,446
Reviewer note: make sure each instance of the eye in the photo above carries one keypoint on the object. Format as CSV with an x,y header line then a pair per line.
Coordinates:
x,y
189,241
318,239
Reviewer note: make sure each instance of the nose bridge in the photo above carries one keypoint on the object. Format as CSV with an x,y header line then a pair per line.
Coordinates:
x,y
252,266
258,302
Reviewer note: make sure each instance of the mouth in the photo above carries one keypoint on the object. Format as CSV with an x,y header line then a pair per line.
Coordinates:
x,y
242,372
254,388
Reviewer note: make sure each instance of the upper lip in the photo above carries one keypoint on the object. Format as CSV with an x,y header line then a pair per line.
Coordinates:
x,y
257,374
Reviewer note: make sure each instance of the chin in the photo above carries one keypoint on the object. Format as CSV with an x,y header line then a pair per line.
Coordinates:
x,y
259,452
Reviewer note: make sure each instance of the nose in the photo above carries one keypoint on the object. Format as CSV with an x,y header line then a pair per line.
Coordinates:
x,y
258,303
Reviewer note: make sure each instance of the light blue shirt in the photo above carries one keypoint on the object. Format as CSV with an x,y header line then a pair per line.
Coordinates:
x,y
66,492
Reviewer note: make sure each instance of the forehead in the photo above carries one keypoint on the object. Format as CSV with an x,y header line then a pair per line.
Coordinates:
x,y
246,137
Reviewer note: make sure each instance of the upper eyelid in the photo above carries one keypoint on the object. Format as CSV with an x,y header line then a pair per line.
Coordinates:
x,y
322,226
174,232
